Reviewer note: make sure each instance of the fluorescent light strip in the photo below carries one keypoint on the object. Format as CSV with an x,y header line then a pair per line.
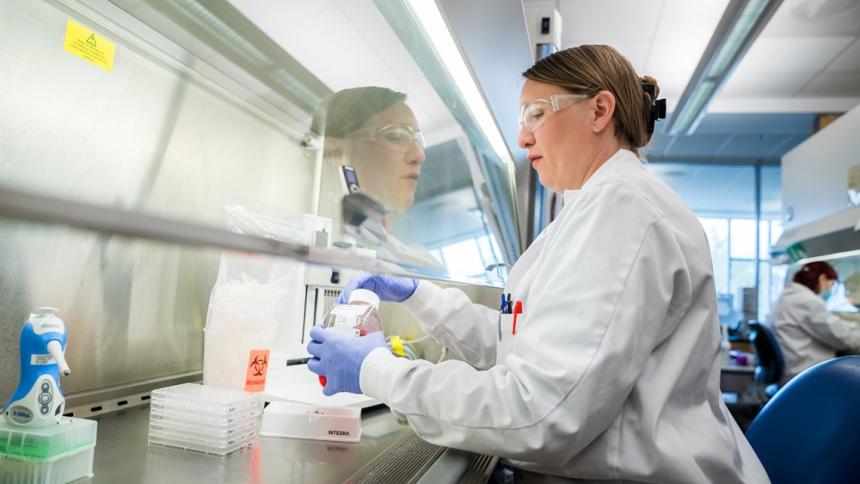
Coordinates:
x,y
737,36
428,14
713,71
693,107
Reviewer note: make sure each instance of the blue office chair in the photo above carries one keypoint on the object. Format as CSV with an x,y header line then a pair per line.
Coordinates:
x,y
810,431
771,365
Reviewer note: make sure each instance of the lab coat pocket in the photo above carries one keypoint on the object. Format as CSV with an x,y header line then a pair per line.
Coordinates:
x,y
506,342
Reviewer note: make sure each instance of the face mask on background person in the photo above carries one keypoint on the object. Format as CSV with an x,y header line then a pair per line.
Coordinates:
x,y
829,292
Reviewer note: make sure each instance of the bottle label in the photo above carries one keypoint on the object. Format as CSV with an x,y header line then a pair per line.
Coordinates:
x,y
36,359
347,316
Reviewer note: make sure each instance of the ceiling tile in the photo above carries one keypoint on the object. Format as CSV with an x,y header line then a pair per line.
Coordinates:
x,y
791,144
264,12
699,146
636,51
848,60
369,21
353,71
672,64
761,123
834,84
792,54
292,33
811,18
609,19
669,57
752,146
683,19
397,58
750,84
431,112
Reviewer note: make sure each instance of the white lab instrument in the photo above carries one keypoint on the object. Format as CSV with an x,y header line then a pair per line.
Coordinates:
x,y
295,420
38,400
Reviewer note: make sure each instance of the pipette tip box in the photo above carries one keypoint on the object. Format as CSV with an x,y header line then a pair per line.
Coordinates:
x,y
47,455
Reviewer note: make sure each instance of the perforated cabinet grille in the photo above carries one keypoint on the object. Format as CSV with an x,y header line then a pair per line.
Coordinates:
x,y
403,462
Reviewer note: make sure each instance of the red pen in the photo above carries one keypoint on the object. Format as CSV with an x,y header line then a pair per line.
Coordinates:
x,y
518,309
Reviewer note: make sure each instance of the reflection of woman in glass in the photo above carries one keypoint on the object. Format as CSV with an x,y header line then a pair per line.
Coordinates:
x,y
373,130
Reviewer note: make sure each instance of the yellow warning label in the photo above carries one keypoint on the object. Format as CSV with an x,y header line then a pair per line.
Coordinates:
x,y
89,45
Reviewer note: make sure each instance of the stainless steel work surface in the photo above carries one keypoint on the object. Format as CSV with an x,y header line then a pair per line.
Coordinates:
x,y
123,455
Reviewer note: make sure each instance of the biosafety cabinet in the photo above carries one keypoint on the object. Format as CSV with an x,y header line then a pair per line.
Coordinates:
x,y
821,194
145,142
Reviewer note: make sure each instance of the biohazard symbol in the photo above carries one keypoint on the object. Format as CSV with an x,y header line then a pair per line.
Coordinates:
x,y
259,364
92,40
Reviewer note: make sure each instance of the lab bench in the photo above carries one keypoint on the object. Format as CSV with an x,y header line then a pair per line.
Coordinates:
x,y
388,452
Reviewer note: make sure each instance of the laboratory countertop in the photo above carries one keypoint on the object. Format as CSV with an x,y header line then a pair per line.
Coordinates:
x,y
729,368
123,455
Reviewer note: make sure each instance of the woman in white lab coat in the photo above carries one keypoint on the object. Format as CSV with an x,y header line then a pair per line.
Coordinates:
x,y
612,370
806,331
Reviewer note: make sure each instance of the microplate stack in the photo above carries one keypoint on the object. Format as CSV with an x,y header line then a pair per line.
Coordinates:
x,y
202,418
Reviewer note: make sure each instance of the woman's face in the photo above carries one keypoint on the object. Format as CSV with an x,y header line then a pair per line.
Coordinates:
x,y
387,167
825,284
560,149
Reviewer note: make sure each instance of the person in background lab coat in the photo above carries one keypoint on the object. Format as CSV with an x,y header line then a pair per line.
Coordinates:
x,y
807,332
612,372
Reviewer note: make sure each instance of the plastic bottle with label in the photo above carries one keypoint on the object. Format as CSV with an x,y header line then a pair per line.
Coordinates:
x,y
359,317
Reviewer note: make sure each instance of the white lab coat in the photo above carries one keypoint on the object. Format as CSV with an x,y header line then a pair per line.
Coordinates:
x,y
807,333
613,372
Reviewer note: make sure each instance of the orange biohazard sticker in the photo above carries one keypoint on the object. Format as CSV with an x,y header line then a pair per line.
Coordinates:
x,y
258,365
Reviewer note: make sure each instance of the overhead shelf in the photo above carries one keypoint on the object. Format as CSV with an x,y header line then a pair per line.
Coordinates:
x,y
830,235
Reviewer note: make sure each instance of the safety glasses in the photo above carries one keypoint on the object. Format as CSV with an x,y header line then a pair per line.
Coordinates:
x,y
534,112
396,136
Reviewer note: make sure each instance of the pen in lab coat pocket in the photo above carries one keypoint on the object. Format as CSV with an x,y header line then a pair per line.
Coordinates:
x,y
518,309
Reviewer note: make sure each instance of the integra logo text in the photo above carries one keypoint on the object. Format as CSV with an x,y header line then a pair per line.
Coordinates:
x,y
338,432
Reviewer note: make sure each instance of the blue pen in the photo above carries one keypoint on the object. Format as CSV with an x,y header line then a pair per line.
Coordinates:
x,y
504,305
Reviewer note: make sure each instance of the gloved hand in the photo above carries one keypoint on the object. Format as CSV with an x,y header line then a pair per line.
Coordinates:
x,y
338,356
388,288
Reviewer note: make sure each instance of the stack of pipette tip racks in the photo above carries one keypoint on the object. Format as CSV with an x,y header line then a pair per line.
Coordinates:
x,y
202,418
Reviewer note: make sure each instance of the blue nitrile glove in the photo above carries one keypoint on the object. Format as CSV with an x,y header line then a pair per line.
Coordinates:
x,y
338,356
388,288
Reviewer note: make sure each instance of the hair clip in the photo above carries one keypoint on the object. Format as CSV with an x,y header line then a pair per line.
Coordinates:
x,y
658,111
658,106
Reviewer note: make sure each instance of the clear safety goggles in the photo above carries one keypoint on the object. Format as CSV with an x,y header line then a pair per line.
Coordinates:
x,y
534,112
396,136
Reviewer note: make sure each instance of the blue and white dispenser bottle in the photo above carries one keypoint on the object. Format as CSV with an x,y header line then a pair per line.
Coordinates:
x,y
38,400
